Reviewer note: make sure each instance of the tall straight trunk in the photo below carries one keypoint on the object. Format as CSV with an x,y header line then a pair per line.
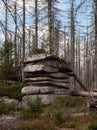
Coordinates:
x,y
87,61
72,34
6,33
6,19
23,30
76,53
84,61
50,25
79,58
57,29
65,46
36,25
92,65
68,50
15,35
23,37
96,43
29,31
54,32
20,48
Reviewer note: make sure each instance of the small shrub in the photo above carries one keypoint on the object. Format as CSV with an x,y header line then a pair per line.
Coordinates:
x,y
3,107
12,90
70,124
36,106
74,102
26,114
69,101
57,117
92,127
6,108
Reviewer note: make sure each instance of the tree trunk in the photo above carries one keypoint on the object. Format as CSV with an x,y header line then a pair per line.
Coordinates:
x,y
96,42
56,48
23,37
65,45
50,25
72,35
6,19
15,35
36,25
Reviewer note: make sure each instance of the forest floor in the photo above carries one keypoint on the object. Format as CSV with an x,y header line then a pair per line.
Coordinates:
x,y
64,114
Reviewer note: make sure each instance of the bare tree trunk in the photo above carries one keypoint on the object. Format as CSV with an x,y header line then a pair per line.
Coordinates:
x,y
50,25
96,43
23,30
77,60
6,20
76,53
72,35
68,50
84,61
65,45
15,35
19,49
72,31
57,29
79,57
23,37
36,25
29,31
87,65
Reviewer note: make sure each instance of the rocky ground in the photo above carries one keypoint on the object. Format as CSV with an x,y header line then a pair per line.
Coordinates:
x,y
7,122
64,114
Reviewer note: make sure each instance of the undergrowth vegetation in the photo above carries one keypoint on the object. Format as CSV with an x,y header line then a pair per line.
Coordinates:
x,y
60,114
6,109
92,126
10,89
35,108
57,115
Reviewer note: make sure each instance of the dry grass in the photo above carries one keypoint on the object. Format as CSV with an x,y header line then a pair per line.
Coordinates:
x,y
57,116
35,125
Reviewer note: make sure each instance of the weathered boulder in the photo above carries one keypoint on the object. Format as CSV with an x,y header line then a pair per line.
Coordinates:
x,y
10,102
7,122
32,90
37,68
49,60
35,79
58,63
45,76
37,57
45,99
49,83
58,75
28,90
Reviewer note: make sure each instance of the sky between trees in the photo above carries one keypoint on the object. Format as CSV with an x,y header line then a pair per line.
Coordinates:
x,y
84,14
70,23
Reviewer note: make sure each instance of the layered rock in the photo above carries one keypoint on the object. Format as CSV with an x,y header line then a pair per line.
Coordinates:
x,y
45,76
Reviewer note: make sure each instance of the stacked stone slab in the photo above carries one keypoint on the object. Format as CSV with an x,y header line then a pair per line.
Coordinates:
x,y
46,76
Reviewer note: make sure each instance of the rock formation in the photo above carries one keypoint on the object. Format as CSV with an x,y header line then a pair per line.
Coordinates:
x,y
46,76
